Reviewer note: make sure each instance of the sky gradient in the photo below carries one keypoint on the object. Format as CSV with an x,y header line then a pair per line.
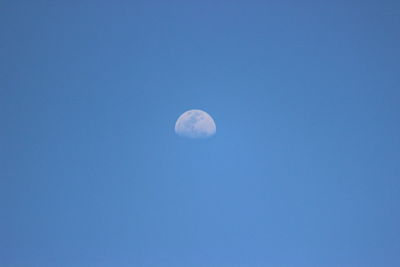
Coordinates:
x,y
304,168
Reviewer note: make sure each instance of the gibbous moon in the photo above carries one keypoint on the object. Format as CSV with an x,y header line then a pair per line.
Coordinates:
x,y
195,123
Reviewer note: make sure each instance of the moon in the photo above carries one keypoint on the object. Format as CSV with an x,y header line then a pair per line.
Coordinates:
x,y
195,123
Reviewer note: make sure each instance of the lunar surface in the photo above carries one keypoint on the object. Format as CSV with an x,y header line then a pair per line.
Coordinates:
x,y
195,123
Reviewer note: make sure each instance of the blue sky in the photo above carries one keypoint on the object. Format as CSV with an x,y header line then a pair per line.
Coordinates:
x,y
303,171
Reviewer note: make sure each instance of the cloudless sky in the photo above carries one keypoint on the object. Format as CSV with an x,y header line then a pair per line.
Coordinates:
x,y
304,168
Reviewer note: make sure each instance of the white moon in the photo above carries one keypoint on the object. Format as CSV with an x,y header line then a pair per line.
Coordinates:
x,y
195,123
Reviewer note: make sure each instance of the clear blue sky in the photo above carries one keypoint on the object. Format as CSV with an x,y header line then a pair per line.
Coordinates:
x,y
304,169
